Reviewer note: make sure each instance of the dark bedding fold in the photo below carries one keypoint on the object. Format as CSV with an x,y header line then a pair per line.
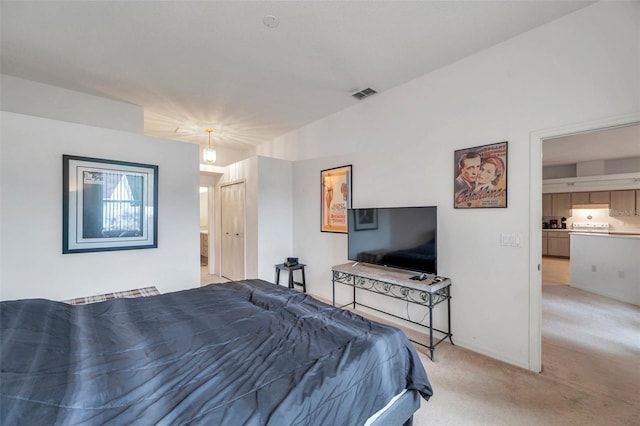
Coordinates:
x,y
245,352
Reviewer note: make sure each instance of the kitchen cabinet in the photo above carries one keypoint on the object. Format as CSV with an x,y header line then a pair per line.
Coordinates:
x,y
204,245
546,205
623,203
558,243
598,197
580,198
558,205
561,205
545,244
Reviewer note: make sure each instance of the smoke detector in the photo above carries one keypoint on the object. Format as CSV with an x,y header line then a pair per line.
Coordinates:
x,y
270,21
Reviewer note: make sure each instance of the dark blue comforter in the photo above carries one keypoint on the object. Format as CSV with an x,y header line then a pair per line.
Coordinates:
x,y
246,352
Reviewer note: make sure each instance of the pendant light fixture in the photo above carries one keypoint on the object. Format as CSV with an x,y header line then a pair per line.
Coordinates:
x,y
209,154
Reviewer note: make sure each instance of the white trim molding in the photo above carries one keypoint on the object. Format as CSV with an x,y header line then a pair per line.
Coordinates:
x,y
592,183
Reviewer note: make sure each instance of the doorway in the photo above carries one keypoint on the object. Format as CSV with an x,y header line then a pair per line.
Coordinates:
x,y
204,226
535,232
232,244
210,228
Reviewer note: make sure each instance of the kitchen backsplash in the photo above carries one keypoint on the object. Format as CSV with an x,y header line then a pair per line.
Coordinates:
x,y
624,223
601,215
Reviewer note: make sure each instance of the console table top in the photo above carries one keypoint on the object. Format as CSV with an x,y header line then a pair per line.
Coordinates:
x,y
396,276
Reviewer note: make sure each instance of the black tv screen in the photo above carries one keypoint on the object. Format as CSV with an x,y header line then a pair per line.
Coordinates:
x,y
398,237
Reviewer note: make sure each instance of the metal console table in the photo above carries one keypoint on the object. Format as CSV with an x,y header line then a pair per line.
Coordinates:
x,y
398,284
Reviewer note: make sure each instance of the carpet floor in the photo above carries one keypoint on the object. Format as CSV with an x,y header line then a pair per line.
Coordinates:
x,y
591,368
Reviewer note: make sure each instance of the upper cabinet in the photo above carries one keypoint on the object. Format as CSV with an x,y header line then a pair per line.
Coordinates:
x,y
623,203
598,197
561,204
556,204
546,205
580,198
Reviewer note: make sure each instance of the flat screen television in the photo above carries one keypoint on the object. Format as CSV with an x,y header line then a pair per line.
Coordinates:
x,y
398,237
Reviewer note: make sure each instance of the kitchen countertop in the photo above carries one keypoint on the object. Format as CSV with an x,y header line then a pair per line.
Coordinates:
x,y
627,232
612,232
608,235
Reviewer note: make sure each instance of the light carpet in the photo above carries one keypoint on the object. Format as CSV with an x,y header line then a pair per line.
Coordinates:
x,y
591,371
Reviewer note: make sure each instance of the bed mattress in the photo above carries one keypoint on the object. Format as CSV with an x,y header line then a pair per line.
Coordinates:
x,y
245,352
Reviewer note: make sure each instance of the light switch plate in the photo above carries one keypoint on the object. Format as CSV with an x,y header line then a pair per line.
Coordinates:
x,y
511,240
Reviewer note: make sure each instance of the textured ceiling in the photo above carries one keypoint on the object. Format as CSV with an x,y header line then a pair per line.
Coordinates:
x,y
198,64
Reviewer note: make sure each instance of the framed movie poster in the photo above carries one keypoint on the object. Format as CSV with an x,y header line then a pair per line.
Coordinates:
x,y
108,205
335,198
481,177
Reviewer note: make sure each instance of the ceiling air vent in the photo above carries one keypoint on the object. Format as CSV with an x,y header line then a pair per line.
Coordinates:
x,y
364,93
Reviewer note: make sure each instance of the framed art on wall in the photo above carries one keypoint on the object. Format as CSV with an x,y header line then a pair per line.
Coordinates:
x,y
335,198
108,205
366,219
481,177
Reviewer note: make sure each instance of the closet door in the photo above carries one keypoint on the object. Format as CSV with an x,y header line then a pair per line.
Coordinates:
x,y
232,244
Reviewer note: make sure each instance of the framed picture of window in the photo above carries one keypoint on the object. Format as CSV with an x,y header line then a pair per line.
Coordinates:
x,y
108,205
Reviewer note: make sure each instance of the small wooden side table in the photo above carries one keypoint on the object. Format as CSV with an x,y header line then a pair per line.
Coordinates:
x,y
290,269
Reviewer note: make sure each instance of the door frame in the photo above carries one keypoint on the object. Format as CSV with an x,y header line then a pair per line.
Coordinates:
x,y
535,219
210,180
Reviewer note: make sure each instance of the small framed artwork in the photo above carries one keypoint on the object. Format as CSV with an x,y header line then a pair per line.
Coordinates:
x,y
481,177
366,219
108,205
335,198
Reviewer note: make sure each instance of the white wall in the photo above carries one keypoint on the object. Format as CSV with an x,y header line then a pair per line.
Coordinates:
x,y
204,209
32,263
274,215
42,100
582,67
622,165
611,167
558,172
606,265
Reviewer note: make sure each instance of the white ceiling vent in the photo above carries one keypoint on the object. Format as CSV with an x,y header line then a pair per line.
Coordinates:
x,y
364,93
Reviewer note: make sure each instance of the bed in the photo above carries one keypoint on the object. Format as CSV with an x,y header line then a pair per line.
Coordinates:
x,y
246,352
